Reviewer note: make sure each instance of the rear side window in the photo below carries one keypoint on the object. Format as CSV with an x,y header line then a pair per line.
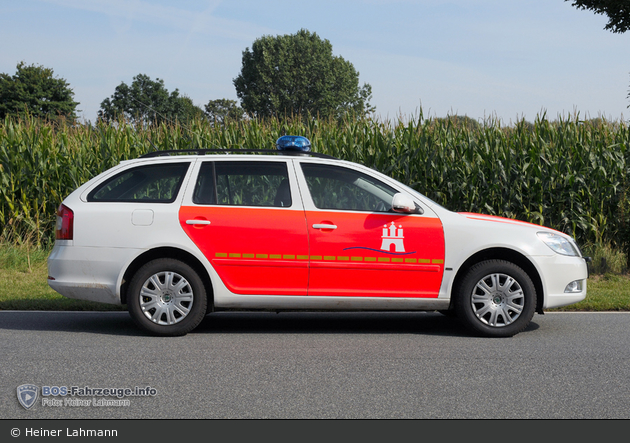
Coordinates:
x,y
150,184
243,183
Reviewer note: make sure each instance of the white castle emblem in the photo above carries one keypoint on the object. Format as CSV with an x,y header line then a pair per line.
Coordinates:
x,y
393,236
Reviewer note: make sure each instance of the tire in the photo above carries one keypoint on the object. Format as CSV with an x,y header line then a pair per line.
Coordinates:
x,y
167,298
496,298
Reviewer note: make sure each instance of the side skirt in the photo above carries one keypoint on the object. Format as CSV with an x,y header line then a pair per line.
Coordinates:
x,y
288,302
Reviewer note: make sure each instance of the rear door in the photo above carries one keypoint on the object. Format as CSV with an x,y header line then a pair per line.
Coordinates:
x,y
248,220
359,246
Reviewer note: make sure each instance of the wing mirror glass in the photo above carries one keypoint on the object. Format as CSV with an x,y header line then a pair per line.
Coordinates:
x,y
405,204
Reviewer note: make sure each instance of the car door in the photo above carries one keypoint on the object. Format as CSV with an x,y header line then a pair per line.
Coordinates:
x,y
359,246
248,222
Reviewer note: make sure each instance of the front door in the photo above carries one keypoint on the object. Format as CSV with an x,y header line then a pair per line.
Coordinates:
x,y
359,247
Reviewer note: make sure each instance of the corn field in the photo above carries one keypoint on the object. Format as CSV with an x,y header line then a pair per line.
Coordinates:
x,y
570,175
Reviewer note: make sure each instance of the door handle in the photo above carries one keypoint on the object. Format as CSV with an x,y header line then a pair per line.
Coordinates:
x,y
324,226
197,222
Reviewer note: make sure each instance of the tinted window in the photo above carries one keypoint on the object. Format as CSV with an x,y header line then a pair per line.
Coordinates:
x,y
243,184
335,187
151,184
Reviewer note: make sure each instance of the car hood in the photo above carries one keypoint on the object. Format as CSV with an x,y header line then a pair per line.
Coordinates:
x,y
494,218
497,219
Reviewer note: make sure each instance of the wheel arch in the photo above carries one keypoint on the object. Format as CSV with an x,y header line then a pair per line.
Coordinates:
x,y
506,254
167,252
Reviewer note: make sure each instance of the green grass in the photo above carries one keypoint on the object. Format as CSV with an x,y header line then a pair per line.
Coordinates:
x,y
24,286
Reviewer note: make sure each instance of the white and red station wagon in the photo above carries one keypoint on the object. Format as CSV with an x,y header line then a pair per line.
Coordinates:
x,y
175,237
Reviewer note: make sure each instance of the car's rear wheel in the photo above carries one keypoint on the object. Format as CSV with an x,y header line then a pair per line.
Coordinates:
x,y
496,298
167,297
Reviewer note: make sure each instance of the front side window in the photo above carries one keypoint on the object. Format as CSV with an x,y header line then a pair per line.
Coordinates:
x,y
336,187
243,183
149,184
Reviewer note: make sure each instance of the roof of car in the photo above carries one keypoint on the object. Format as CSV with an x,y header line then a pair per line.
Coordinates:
x,y
233,151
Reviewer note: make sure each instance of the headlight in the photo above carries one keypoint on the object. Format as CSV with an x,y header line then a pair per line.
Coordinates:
x,y
558,244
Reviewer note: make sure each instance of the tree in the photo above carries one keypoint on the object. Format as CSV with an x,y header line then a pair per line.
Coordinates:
x,y
298,74
618,12
147,101
221,110
34,90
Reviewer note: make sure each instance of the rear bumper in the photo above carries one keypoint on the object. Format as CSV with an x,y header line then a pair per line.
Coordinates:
x,y
88,273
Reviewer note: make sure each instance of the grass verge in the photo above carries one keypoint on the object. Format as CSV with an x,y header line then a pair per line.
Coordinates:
x,y
24,286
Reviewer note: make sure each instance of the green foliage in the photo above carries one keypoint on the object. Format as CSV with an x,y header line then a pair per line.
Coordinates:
x,y
459,120
148,101
33,90
570,175
605,259
297,74
618,12
221,110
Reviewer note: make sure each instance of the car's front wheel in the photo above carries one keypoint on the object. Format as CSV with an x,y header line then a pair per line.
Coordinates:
x,y
167,297
496,298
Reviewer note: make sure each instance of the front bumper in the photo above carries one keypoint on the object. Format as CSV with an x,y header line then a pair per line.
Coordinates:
x,y
557,272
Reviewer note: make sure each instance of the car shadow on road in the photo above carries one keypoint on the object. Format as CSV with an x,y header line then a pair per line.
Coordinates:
x,y
95,322
237,322
422,323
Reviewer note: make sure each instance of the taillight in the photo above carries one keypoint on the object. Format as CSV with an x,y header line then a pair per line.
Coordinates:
x,y
64,229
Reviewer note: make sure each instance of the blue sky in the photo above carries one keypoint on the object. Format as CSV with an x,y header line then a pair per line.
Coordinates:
x,y
482,58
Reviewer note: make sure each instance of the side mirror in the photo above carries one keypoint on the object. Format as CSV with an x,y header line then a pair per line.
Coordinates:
x,y
405,204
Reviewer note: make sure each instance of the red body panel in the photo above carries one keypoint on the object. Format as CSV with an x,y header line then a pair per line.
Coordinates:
x,y
367,255
270,251
254,250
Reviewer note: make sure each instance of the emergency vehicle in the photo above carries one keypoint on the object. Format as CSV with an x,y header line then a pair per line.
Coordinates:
x,y
176,235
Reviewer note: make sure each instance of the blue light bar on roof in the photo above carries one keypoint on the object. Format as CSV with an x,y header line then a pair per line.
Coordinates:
x,y
293,143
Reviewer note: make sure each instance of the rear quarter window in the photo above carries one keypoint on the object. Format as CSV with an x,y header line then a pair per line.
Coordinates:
x,y
150,184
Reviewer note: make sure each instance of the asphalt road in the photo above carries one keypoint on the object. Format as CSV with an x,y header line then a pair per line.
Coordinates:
x,y
320,365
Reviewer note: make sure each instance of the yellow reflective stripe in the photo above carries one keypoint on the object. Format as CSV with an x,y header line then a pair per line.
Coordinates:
x,y
343,258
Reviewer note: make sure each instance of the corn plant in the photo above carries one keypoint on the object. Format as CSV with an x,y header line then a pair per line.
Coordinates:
x,y
567,174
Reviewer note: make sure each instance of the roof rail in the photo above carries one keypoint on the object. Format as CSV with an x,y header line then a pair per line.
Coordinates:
x,y
230,151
